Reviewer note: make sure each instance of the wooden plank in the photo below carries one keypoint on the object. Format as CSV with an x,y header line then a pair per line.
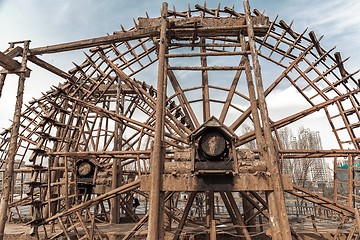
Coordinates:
x,y
261,23
243,182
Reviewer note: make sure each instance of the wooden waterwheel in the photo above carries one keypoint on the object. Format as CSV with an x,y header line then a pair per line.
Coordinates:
x,y
176,115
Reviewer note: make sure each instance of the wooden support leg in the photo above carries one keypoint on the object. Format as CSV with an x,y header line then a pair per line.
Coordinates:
x,y
9,170
336,236
248,213
357,218
231,212
210,215
238,215
185,215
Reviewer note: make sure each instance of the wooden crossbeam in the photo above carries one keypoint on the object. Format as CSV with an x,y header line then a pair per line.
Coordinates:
x,y
10,65
87,43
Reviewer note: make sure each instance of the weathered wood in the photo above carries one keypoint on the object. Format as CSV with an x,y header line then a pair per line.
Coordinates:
x,y
116,166
243,182
230,212
9,170
208,68
8,63
261,24
155,229
118,37
184,215
238,215
205,54
14,52
49,67
280,223
125,188
2,82
82,114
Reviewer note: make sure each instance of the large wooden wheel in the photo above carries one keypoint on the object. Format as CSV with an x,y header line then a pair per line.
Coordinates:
x,y
86,146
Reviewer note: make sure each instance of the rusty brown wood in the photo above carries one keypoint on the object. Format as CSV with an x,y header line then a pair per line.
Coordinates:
x,y
276,198
2,82
230,212
155,230
150,100
194,122
184,215
116,165
205,83
84,134
87,43
351,188
238,215
125,188
207,68
9,170
117,117
205,54
231,92
243,117
8,63
49,67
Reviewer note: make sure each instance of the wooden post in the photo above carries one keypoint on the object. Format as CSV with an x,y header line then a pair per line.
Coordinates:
x,y
205,84
248,213
335,180
351,180
357,218
9,170
155,230
213,230
279,219
210,218
116,168
2,81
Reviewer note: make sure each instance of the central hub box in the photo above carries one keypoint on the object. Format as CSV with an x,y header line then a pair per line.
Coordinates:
x,y
213,149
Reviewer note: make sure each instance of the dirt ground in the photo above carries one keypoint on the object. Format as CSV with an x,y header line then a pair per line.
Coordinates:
x,y
16,231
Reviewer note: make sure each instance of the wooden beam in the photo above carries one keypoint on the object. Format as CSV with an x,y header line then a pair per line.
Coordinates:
x,y
208,26
187,182
8,175
87,43
14,52
8,63
156,209
49,67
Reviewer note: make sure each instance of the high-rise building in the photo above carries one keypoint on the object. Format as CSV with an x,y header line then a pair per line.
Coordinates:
x,y
307,171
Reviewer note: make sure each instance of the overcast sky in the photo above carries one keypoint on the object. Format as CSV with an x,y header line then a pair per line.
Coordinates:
x,y
57,21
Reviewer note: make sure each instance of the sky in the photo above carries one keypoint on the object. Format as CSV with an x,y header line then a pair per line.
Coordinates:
x,y
58,21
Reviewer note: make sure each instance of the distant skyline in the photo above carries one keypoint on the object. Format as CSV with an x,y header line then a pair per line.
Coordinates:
x,y
55,21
